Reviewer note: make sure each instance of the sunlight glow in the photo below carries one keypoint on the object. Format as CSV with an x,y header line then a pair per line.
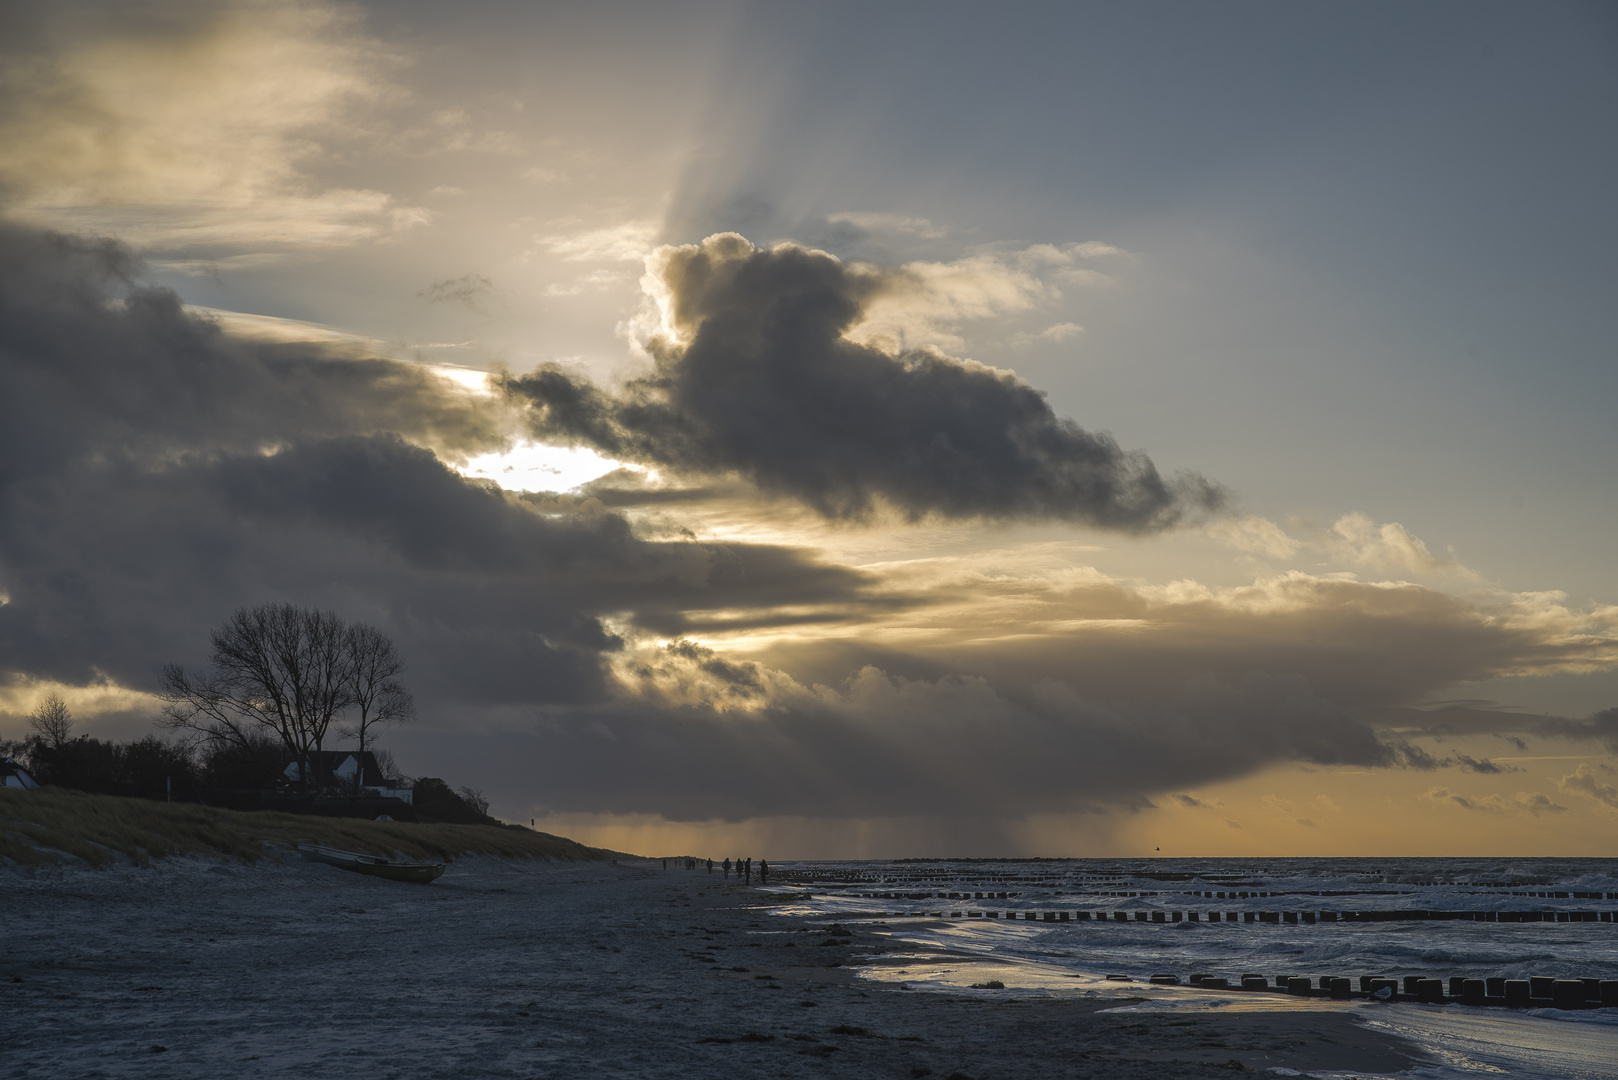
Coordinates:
x,y
538,467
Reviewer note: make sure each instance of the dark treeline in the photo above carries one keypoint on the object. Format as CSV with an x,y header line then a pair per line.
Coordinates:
x,y
150,767
153,768
144,767
282,682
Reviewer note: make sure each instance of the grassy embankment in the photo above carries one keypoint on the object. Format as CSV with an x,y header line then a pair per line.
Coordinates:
x,y
40,827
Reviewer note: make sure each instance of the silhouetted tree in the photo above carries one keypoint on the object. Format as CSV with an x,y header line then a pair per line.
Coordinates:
x,y
474,798
276,667
52,721
292,673
390,769
435,800
374,687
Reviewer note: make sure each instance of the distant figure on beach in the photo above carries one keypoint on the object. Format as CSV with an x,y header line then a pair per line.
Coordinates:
x,y
749,871
710,866
727,868
665,864
764,871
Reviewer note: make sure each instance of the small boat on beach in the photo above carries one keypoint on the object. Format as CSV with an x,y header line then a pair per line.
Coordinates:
x,y
375,865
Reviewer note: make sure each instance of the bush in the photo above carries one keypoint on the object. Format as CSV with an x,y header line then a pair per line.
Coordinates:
x,y
435,801
256,765
149,766
140,768
84,764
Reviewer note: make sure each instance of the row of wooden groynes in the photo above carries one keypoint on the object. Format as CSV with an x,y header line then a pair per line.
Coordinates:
x,y
1535,992
1308,918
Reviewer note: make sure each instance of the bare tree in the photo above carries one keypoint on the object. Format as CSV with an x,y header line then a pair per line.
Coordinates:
x,y
474,798
374,689
277,667
390,769
52,721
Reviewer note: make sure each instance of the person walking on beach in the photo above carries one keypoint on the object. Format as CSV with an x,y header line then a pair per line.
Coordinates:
x,y
750,871
710,866
764,871
727,869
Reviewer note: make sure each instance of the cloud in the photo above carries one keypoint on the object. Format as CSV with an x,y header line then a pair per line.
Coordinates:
x,y
1095,249
626,242
1602,726
754,374
595,279
1254,535
159,471
1188,800
1357,540
1353,540
927,303
471,291
1370,646
193,131
885,745
1481,765
890,223
1532,803
1058,333
1583,780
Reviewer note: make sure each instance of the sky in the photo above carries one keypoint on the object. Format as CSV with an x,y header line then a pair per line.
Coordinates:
x,y
819,430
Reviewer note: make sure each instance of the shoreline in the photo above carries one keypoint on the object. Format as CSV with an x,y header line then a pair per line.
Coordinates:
x,y
199,968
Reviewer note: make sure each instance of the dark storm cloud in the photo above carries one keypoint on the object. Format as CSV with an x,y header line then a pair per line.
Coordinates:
x,y
156,473
1369,647
94,364
763,383
1602,726
880,746
1469,718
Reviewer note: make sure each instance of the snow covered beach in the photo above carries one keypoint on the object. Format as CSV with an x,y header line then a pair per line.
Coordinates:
x,y
194,967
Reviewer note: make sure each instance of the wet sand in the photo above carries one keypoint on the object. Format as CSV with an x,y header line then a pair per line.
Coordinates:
x,y
193,969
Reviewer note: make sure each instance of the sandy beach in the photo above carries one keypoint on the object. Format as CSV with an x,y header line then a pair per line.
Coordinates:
x,y
192,968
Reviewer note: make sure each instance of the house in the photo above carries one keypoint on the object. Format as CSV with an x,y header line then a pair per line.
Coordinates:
x,y
13,775
349,766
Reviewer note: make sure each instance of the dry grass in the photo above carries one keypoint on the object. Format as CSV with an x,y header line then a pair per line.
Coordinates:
x,y
40,826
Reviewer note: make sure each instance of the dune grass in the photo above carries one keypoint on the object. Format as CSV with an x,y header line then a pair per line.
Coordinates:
x,y
40,827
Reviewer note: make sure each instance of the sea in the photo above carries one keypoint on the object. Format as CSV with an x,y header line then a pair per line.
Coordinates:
x,y
1106,926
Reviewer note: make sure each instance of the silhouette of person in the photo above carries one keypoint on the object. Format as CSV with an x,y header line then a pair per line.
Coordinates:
x,y
749,865
710,866
727,868
764,871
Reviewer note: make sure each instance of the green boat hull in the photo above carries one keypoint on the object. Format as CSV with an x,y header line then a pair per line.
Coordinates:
x,y
374,865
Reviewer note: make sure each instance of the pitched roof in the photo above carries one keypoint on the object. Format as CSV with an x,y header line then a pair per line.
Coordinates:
x,y
337,763
14,775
